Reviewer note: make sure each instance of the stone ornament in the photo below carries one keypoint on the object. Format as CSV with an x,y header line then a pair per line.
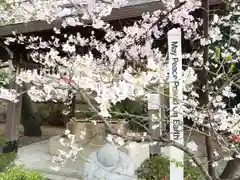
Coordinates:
x,y
109,163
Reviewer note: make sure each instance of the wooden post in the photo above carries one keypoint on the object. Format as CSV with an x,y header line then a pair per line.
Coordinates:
x,y
73,106
13,118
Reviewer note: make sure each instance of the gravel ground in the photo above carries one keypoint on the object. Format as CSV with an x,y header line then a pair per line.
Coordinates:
x,y
47,132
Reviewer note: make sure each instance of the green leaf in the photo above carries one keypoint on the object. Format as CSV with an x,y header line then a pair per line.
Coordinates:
x,y
229,58
218,53
232,68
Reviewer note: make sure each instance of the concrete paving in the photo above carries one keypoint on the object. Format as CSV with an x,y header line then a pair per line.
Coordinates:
x,y
36,157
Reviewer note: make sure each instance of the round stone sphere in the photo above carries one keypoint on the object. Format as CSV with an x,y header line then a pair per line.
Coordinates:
x,y
108,155
114,165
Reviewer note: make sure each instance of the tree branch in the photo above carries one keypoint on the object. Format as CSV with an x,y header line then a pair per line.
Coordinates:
x,y
148,138
165,142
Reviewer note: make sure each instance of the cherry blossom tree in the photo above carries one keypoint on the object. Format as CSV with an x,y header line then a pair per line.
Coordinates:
x,y
131,62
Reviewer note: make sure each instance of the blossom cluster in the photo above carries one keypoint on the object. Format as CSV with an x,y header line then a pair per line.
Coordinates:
x,y
107,75
129,63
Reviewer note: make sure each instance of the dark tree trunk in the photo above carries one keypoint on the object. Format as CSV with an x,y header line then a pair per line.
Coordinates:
x,y
73,106
31,121
204,92
231,168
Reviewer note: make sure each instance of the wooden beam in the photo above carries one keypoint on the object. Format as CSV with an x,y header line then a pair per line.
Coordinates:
x,y
132,10
13,119
135,8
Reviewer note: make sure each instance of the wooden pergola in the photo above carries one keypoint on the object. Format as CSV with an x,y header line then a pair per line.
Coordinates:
x,y
135,8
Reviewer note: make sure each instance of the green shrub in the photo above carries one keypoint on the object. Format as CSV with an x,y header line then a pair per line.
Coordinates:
x,y
18,173
4,79
5,158
157,168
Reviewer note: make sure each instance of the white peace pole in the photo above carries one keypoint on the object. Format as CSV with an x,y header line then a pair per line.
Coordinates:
x,y
176,95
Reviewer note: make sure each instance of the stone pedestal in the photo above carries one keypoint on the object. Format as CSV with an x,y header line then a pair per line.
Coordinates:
x,y
93,139
54,145
109,163
95,134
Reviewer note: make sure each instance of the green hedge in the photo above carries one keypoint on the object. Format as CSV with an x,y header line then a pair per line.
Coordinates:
x,y
5,158
18,173
8,172
157,168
